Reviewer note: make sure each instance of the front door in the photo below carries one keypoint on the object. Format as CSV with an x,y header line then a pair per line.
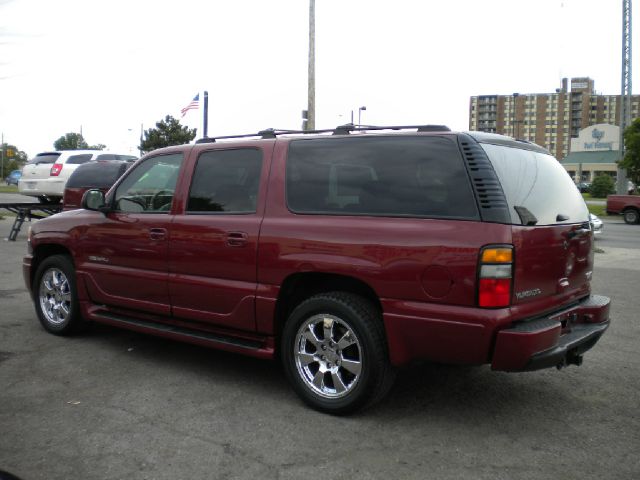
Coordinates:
x,y
125,257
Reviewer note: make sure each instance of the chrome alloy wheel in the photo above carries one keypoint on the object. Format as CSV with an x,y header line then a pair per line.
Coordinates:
x,y
328,356
55,296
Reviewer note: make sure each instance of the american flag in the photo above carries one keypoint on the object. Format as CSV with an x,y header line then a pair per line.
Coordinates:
x,y
195,103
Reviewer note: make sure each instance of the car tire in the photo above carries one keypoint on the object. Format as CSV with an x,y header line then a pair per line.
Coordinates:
x,y
631,216
334,352
45,199
56,296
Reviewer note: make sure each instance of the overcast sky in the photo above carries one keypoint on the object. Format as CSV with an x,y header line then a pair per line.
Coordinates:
x,y
110,66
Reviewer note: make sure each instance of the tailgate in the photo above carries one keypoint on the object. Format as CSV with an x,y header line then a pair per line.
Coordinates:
x,y
553,265
39,167
552,237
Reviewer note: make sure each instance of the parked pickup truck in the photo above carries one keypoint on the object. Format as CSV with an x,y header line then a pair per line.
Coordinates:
x,y
344,253
627,205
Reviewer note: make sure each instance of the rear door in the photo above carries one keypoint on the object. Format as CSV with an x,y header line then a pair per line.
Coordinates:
x,y
213,245
552,237
72,163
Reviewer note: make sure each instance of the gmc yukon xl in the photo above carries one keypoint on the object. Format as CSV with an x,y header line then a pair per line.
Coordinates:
x,y
345,254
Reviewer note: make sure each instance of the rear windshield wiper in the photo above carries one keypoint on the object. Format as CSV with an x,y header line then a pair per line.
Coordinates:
x,y
526,217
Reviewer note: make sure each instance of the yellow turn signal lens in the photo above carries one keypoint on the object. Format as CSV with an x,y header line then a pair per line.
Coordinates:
x,y
497,255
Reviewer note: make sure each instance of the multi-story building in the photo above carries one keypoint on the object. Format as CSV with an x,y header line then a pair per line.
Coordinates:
x,y
548,119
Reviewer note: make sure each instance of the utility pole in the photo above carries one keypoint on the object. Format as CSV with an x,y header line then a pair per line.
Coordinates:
x,y
625,94
311,89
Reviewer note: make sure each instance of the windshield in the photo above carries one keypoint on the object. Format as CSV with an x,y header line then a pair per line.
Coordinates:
x,y
538,189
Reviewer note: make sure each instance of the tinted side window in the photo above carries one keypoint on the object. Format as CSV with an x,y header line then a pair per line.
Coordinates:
x,y
78,159
391,176
538,183
149,187
226,181
115,156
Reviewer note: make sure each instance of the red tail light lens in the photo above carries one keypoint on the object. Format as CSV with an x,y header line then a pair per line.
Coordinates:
x,y
56,169
494,292
496,273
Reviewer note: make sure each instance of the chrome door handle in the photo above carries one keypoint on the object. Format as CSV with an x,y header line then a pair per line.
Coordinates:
x,y
157,233
237,239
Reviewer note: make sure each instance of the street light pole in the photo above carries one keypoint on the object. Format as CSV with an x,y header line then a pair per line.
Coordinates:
x,y
360,114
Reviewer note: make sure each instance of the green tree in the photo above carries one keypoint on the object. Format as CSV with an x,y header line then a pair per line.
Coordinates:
x,y
631,160
11,152
75,141
13,158
602,186
71,141
167,132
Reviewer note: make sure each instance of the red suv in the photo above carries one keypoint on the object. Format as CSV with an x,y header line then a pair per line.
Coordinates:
x,y
346,255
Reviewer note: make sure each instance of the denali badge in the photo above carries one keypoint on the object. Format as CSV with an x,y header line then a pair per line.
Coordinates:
x,y
528,293
94,258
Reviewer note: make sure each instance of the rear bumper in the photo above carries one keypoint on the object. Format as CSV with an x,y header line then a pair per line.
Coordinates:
x,y
557,340
53,186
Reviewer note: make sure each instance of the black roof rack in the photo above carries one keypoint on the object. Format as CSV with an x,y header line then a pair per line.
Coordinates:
x,y
271,133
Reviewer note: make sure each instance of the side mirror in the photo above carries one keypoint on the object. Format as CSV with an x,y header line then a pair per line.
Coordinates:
x,y
93,200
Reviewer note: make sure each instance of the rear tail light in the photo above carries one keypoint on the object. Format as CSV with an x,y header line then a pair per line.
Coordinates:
x,y
496,274
56,169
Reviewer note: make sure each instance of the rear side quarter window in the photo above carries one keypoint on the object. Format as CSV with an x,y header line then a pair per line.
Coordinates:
x,y
79,159
397,176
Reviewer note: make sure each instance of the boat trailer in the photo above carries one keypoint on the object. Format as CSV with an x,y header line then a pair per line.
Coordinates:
x,y
28,211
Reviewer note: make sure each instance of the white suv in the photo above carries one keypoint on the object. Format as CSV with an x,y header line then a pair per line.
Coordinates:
x,y
46,175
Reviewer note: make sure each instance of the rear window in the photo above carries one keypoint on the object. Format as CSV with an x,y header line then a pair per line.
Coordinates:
x,y
44,158
538,189
382,176
96,175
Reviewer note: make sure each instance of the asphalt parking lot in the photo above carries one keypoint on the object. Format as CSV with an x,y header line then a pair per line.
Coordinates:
x,y
113,404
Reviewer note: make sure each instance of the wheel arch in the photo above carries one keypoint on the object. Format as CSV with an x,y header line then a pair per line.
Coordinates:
x,y
44,251
299,286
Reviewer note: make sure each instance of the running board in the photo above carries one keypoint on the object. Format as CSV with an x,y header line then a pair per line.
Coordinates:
x,y
254,348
